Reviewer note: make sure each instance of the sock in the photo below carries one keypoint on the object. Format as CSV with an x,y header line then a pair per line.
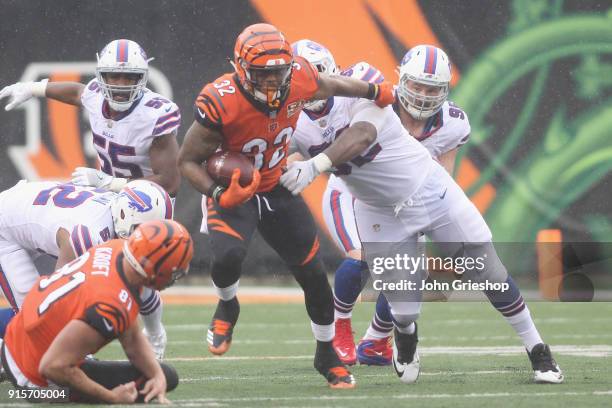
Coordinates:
x,y
410,329
227,293
512,306
151,311
5,318
381,325
347,287
323,332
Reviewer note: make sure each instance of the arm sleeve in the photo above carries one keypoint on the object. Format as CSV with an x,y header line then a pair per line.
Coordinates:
x,y
80,239
107,319
206,110
168,122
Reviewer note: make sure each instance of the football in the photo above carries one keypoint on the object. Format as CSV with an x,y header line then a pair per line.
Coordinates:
x,y
221,165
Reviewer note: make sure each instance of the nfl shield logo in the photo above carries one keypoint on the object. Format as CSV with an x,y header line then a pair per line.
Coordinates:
x,y
273,126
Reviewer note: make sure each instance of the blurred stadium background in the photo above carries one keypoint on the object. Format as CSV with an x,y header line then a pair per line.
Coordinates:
x,y
533,76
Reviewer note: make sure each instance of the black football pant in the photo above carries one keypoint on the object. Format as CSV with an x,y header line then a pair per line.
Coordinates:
x,y
285,223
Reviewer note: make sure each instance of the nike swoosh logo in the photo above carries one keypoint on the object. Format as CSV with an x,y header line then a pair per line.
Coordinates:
x,y
170,107
202,114
298,174
109,326
443,194
99,176
378,353
342,353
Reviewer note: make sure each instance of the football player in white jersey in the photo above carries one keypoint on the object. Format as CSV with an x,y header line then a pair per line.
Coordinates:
x,y
337,203
402,193
134,131
64,221
442,128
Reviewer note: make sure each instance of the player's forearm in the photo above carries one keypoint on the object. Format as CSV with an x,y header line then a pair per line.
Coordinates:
x,y
197,175
75,379
140,354
67,92
343,86
351,143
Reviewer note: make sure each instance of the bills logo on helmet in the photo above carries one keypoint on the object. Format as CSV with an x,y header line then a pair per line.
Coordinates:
x,y
56,139
139,200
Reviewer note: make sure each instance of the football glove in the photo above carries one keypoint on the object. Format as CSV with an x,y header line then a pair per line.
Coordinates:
x,y
22,92
235,194
84,176
385,95
300,174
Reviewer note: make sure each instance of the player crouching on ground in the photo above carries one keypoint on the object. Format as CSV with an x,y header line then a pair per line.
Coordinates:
x,y
88,303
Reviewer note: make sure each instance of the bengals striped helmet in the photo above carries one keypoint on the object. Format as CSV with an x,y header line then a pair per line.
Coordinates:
x,y
263,61
160,251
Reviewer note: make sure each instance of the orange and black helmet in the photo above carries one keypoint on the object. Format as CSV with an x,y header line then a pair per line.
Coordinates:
x,y
263,60
160,251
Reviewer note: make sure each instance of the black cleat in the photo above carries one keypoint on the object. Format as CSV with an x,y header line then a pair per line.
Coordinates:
x,y
545,368
219,336
329,365
405,356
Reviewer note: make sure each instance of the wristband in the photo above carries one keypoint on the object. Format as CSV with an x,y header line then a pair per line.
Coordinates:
x,y
373,91
215,192
39,89
322,162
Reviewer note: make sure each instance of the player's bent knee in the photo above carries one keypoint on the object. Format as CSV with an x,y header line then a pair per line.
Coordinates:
x,y
172,378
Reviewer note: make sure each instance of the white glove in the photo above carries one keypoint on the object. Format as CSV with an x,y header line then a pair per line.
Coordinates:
x,y
22,92
84,176
300,174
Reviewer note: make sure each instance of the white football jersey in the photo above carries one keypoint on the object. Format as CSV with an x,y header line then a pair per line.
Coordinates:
x,y
446,130
31,213
387,173
123,144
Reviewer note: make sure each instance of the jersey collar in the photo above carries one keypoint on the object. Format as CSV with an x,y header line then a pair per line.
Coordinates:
x,y
318,115
120,115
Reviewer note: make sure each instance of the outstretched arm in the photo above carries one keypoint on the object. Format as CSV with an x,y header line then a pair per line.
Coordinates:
x,y
337,85
67,92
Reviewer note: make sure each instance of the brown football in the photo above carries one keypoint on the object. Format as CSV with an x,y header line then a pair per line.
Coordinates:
x,y
221,165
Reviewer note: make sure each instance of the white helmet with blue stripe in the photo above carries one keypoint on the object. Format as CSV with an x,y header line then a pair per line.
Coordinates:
x,y
321,58
126,57
137,202
429,68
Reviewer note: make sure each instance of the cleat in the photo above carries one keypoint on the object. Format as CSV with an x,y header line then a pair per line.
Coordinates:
x,y
158,343
219,337
329,366
545,368
376,352
405,356
343,343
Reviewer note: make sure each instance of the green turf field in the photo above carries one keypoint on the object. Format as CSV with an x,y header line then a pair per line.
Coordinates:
x,y
469,357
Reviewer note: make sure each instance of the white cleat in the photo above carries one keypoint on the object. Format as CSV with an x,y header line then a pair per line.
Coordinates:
x,y
406,357
158,343
545,368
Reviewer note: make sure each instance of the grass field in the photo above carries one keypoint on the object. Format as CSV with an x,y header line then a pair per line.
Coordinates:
x,y
469,357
